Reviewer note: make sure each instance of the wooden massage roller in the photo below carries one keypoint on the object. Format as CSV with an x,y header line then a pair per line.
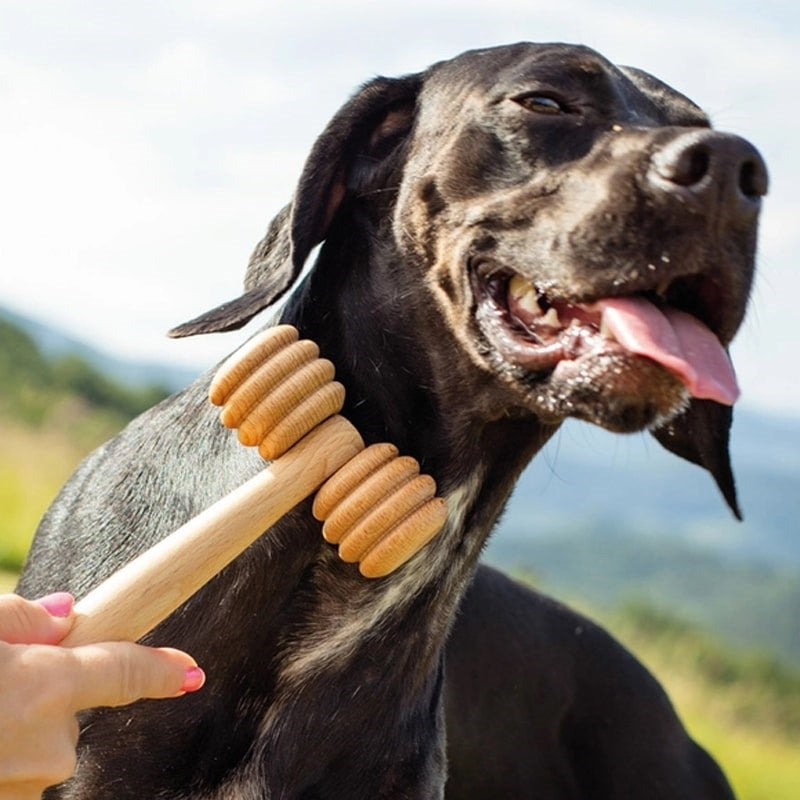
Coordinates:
x,y
281,397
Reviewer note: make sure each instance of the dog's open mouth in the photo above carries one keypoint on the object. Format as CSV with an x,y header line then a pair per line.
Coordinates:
x,y
541,335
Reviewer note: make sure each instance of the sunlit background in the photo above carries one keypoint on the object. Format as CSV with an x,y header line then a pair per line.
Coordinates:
x,y
145,146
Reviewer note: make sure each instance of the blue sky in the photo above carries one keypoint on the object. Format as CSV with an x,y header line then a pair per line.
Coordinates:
x,y
144,146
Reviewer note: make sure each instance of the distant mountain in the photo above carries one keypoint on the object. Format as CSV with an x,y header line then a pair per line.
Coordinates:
x,y
603,566
53,342
600,518
587,477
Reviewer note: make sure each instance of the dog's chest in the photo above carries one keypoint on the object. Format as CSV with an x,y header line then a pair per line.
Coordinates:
x,y
329,663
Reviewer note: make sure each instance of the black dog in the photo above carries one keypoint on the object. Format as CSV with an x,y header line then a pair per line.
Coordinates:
x,y
492,227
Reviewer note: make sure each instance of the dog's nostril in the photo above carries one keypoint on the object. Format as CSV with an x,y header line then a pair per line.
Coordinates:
x,y
753,179
697,166
688,167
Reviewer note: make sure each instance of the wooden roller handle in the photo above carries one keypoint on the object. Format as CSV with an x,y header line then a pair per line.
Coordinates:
x,y
144,592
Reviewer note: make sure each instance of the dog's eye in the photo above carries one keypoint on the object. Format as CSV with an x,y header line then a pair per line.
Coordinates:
x,y
540,103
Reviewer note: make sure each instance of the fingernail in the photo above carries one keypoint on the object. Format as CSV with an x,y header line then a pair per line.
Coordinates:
x,y
193,679
58,604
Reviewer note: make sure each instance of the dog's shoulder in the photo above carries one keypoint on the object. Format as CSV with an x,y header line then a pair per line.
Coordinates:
x,y
569,699
166,465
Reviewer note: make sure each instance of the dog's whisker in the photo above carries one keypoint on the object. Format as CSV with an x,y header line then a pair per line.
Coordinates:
x,y
386,190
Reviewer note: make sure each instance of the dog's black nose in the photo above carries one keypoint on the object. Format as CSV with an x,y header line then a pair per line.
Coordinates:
x,y
707,167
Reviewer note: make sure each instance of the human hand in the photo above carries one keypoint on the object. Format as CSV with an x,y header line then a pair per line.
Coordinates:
x,y
43,686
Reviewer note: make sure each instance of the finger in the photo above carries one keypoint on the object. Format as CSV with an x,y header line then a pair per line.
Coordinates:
x,y
118,673
44,621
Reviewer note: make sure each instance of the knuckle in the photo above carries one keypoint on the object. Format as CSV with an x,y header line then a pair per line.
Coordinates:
x,y
128,680
17,615
139,674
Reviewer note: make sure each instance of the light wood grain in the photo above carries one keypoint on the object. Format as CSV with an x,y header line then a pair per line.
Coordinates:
x,y
144,592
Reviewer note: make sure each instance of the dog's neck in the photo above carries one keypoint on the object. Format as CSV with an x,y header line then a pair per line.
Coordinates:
x,y
373,328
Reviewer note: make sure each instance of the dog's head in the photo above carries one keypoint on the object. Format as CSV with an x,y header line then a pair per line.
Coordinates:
x,y
585,236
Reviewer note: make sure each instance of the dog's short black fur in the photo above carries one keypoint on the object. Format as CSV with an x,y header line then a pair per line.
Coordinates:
x,y
430,192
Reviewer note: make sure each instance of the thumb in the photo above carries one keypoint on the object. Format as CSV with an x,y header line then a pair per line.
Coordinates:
x,y
43,621
118,673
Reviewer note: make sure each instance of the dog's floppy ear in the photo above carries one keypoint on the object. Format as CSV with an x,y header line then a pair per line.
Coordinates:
x,y
350,156
271,256
701,435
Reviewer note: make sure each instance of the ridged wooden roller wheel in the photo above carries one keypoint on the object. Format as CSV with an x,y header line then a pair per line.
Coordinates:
x,y
377,508
276,390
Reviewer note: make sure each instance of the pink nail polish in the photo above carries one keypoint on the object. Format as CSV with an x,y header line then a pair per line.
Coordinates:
x,y
58,604
193,679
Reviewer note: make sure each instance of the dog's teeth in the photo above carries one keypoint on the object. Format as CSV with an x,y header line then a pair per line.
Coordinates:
x,y
518,286
524,295
605,330
551,319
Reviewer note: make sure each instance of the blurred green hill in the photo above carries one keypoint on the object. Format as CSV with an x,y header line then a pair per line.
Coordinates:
x,y
34,386
52,412
742,705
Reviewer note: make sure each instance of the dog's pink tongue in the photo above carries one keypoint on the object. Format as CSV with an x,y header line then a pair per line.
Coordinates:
x,y
677,341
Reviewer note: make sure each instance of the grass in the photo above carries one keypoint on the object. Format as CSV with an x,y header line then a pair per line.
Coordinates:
x,y
34,464
760,765
760,761
744,708
30,477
